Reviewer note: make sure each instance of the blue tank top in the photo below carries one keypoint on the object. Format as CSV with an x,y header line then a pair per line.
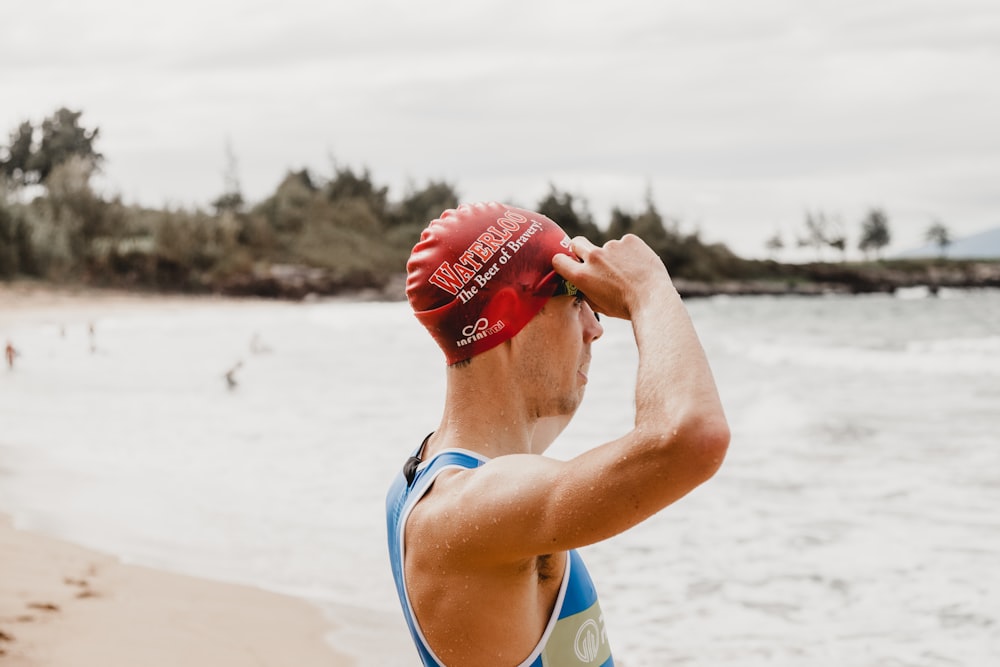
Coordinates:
x,y
575,632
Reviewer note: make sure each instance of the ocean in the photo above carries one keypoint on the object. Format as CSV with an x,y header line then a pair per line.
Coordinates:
x,y
854,522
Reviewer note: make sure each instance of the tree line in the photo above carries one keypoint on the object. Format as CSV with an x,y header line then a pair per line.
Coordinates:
x,y
344,225
822,231
326,234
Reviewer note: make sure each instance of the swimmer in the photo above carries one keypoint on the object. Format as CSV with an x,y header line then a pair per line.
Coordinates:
x,y
483,529
230,375
10,352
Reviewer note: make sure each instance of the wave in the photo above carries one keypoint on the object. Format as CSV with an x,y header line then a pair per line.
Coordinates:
x,y
958,356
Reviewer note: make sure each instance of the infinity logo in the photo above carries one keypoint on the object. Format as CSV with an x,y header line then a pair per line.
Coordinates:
x,y
480,325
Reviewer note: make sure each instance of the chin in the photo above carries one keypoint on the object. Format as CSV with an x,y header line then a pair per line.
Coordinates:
x,y
567,406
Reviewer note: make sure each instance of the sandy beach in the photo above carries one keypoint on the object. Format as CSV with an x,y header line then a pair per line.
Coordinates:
x,y
29,302
61,604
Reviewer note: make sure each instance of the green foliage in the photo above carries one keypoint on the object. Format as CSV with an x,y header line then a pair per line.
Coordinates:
x,y
228,201
774,244
874,232
823,232
562,208
231,199
323,235
418,207
286,210
939,235
34,153
621,223
16,251
346,185
14,165
650,227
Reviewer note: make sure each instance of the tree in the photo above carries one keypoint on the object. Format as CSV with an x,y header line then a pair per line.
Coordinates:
x,y
347,185
62,137
561,207
874,232
836,237
288,208
774,244
621,223
231,198
650,227
14,165
940,236
16,253
817,234
418,207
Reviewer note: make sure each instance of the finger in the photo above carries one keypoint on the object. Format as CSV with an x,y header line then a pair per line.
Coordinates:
x,y
582,246
566,266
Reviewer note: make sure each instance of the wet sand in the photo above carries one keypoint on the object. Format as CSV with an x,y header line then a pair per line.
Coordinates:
x,y
61,604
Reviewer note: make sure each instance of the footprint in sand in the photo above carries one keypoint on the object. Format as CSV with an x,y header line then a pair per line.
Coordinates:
x,y
4,639
83,586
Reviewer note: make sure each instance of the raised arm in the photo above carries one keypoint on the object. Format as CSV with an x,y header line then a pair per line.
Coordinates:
x,y
534,505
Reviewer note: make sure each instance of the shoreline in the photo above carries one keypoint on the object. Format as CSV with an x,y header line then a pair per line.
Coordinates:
x,y
65,605
292,284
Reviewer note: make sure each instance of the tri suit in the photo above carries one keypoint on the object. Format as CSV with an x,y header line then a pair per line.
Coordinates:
x,y
574,635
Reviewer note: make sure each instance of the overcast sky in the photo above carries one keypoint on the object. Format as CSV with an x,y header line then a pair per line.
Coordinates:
x,y
737,116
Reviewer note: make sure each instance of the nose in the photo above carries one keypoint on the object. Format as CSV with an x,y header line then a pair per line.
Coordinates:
x,y
592,329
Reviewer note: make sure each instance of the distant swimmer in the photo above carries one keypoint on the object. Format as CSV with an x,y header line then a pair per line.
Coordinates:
x,y
231,375
10,353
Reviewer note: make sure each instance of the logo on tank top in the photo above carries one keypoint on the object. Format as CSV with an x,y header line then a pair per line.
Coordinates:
x,y
587,645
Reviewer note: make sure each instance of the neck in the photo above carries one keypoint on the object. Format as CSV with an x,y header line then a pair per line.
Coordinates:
x,y
485,410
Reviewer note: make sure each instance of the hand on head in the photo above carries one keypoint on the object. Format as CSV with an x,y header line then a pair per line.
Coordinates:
x,y
616,277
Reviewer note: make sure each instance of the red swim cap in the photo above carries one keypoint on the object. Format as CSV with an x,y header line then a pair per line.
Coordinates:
x,y
480,273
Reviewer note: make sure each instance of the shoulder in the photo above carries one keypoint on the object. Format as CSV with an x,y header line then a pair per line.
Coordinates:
x,y
486,515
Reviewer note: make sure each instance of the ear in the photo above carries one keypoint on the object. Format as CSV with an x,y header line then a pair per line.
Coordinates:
x,y
505,306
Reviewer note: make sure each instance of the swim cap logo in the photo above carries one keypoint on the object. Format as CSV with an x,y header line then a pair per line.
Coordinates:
x,y
588,641
474,263
481,329
480,324
453,276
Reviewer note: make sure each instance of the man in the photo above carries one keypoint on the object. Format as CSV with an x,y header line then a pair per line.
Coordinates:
x,y
482,529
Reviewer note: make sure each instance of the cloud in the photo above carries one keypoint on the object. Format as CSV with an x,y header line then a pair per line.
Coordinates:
x,y
738,115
